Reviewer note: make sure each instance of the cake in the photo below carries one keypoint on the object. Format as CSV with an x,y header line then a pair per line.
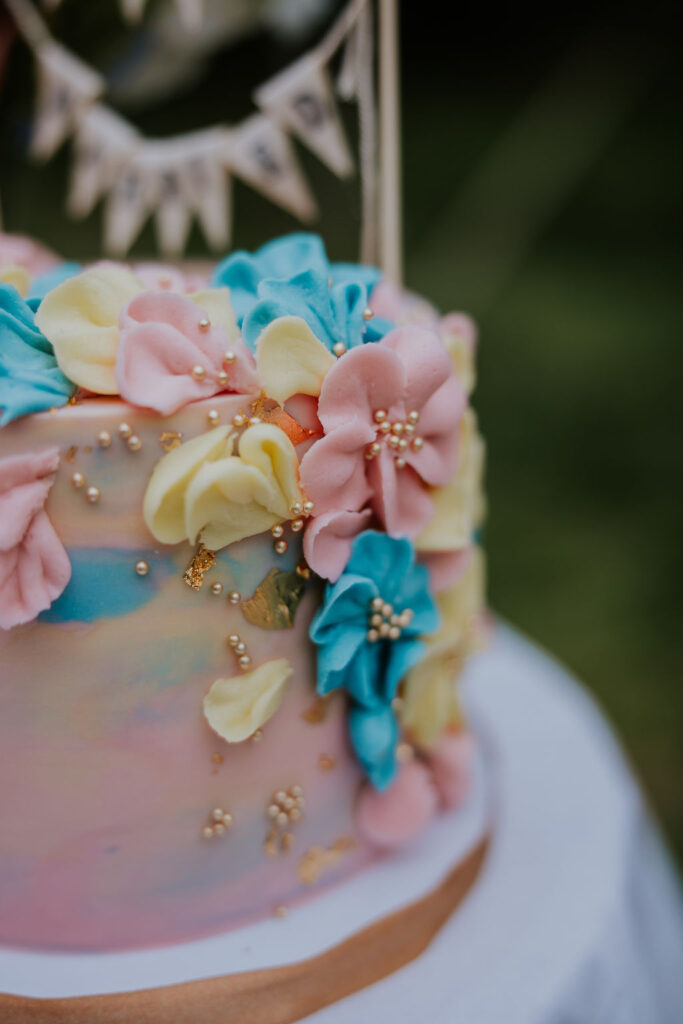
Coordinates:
x,y
240,572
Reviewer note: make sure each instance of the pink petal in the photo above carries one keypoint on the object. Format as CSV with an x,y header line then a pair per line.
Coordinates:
x,y
399,498
398,815
426,364
445,567
439,429
451,765
25,481
403,307
19,249
458,323
333,469
363,380
327,541
160,343
160,277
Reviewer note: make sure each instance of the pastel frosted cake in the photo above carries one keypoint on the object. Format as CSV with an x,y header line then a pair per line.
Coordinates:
x,y
239,576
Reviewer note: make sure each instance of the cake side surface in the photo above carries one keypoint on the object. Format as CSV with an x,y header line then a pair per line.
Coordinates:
x,y
239,573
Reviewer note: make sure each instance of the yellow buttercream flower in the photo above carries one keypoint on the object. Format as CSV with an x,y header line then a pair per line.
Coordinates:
x,y
18,276
290,359
81,319
202,489
462,352
430,696
459,506
235,708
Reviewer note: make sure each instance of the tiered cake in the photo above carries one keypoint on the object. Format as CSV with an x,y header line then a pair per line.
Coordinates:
x,y
239,574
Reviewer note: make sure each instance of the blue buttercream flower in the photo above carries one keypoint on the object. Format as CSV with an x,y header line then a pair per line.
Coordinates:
x,y
292,276
368,636
30,379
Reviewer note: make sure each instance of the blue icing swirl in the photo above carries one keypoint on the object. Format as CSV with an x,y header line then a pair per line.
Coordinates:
x,y
30,379
104,585
292,276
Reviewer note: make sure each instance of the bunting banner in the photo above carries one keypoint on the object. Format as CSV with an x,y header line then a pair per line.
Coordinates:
x,y
67,88
189,177
190,12
301,100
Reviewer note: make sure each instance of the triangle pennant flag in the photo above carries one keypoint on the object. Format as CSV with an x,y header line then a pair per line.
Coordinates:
x,y
301,100
260,153
209,192
66,88
129,203
103,145
133,10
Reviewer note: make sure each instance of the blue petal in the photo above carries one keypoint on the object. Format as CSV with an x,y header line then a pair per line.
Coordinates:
x,y
30,379
346,602
374,735
341,273
414,594
384,559
403,654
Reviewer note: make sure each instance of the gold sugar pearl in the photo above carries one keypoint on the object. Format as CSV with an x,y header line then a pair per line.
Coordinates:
x,y
125,430
104,439
227,819
394,632
408,428
240,647
254,421
282,819
234,639
134,443
387,610
402,444
288,803
418,444
217,813
280,796
297,791
257,736
216,588
277,530
234,597
204,324
222,378
372,636
280,547
229,358
239,420
377,604
397,427
308,508
296,509
413,417
339,348
392,441
295,814
273,810
213,417
198,372
77,480
368,313
380,416
385,427
93,495
400,463
245,661
219,828
142,567
297,525
208,832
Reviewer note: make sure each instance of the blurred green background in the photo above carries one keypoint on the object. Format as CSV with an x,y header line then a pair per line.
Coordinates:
x,y
542,194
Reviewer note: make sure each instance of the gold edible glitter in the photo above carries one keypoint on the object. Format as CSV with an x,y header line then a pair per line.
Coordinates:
x,y
201,562
71,454
317,712
170,439
326,763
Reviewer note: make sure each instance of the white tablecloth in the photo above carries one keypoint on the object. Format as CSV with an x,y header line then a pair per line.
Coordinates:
x,y
577,917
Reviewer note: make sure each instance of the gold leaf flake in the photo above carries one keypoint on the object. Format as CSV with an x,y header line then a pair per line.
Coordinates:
x,y
170,439
326,763
274,603
319,859
317,712
71,454
201,562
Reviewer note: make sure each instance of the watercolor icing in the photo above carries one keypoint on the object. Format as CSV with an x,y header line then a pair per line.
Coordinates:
x,y
226,698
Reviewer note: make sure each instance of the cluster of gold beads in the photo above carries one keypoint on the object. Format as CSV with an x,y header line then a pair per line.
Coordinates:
x,y
399,436
385,623
199,372
284,810
300,510
132,441
220,822
92,494
240,648
217,589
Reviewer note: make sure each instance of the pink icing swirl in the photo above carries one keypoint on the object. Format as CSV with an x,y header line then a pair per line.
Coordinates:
x,y
34,567
161,341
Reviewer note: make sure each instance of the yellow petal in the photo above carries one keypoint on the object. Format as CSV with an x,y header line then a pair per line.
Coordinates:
x,y
245,494
235,708
216,303
461,352
459,506
164,503
430,701
290,359
18,276
81,319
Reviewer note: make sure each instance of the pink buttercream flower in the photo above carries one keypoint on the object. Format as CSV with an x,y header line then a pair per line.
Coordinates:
x,y
398,815
34,567
390,411
171,353
402,307
25,252
167,278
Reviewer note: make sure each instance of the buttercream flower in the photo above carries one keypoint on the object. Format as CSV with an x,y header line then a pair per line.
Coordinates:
x,y
30,380
167,278
282,259
430,695
396,817
368,632
456,330
390,413
235,708
172,352
459,509
34,567
81,319
223,487
25,252
49,279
